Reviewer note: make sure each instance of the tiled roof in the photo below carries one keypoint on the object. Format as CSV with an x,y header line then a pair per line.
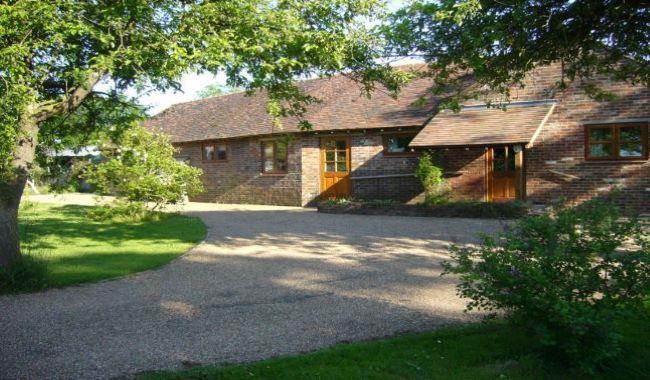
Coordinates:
x,y
343,107
480,125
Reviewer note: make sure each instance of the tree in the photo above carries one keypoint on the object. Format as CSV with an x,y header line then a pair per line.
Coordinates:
x,y
215,90
500,41
142,168
54,53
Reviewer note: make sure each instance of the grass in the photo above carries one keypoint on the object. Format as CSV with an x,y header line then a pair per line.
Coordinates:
x,y
481,351
77,249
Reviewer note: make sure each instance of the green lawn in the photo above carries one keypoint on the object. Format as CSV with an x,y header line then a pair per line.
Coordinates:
x,y
482,351
78,249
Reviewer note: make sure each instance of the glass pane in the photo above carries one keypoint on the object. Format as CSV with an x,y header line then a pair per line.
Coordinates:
x,y
398,144
631,149
511,159
341,166
600,134
341,155
341,144
281,165
268,150
600,150
281,157
329,156
499,165
499,153
631,134
268,166
208,152
330,144
222,152
330,167
281,151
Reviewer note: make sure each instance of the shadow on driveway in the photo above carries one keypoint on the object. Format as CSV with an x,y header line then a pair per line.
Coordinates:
x,y
267,282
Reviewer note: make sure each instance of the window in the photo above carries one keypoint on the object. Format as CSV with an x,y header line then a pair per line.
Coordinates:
x,y
274,157
215,152
616,142
336,156
397,144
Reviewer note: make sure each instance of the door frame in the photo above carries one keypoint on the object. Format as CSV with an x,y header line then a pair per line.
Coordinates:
x,y
520,172
321,161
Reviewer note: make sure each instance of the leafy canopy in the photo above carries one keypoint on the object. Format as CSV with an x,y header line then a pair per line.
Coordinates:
x,y
500,41
52,53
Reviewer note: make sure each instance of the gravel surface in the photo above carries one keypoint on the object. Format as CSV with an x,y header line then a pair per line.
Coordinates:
x,y
268,281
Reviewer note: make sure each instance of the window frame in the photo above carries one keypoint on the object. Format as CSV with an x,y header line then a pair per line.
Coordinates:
x,y
384,141
263,159
216,155
616,141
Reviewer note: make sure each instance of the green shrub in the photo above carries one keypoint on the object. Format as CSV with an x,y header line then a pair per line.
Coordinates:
x,y
143,169
565,277
436,189
339,201
123,210
25,274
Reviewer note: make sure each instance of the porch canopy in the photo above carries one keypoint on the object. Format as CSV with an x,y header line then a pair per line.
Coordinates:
x,y
478,125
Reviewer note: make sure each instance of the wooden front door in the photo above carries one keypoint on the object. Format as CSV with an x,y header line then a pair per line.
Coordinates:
x,y
504,171
335,168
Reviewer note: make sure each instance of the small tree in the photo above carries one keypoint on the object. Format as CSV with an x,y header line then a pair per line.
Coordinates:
x,y
436,190
564,277
142,168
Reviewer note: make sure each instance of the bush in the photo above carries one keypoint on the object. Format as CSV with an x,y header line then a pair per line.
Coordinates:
x,y
565,277
24,274
143,169
123,210
436,189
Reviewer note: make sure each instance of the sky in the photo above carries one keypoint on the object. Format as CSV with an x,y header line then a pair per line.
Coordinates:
x,y
192,83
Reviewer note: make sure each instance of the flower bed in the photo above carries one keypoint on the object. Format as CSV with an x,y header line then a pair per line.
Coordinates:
x,y
459,209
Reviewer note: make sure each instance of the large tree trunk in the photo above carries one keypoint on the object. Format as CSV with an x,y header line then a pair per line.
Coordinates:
x,y
9,237
11,190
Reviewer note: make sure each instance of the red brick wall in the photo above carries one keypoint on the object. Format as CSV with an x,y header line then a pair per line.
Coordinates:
x,y
370,166
465,172
556,165
239,180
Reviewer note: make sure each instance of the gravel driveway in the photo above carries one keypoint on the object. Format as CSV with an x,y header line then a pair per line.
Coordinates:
x,y
268,281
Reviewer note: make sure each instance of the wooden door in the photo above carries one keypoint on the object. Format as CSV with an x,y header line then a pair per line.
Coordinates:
x,y
503,172
335,168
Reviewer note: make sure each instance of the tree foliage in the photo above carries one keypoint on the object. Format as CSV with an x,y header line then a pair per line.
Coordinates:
x,y
566,277
53,53
216,90
431,176
500,41
141,167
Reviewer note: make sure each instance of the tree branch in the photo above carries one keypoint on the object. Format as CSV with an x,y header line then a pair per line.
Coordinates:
x,y
71,101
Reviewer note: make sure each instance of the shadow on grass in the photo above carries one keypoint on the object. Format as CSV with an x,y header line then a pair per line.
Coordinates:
x,y
78,249
70,222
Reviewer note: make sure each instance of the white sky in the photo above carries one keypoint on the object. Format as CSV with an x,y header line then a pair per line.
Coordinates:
x,y
192,83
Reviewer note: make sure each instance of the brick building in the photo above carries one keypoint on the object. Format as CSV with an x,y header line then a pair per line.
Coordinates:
x,y
547,144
